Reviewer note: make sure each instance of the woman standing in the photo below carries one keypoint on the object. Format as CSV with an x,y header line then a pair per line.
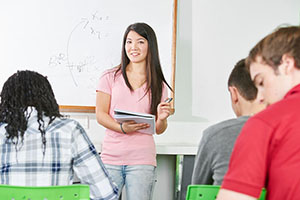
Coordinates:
x,y
136,85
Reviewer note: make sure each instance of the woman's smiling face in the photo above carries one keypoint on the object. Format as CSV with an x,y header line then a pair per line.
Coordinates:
x,y
136,47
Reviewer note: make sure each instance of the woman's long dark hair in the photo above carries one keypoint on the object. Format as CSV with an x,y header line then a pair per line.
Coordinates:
x,y
154,75
22,90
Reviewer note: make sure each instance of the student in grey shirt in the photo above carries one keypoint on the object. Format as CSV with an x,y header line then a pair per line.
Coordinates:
x,y
212,159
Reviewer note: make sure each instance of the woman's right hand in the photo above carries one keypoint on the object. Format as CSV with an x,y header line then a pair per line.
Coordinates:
x,y
132,126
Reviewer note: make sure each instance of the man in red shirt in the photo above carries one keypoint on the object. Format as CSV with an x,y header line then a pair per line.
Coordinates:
x,y
267,152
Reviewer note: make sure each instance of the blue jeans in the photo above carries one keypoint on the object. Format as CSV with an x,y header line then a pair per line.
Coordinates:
x,y
138,180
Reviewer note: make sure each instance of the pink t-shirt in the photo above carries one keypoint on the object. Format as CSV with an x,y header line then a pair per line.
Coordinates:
x,y
131,148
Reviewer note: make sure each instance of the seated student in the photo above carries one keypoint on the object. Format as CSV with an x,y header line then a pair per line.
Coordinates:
x,y
39,147
267,151
211,161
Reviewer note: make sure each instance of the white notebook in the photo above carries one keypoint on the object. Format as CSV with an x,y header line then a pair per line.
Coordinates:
x,y
123,115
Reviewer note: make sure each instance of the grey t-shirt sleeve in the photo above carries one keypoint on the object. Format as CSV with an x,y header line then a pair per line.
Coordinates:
x,y
202,172
211,161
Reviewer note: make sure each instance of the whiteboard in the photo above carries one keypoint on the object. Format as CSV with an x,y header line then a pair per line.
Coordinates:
x,y
73,41
223,33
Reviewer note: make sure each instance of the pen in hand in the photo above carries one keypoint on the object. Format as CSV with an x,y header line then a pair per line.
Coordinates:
x,y
168,100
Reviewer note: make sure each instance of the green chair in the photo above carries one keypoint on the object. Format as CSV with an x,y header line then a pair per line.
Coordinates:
x,y
209,192
69,192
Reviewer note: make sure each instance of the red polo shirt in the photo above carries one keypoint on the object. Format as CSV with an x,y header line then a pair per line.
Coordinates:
x,y
267,152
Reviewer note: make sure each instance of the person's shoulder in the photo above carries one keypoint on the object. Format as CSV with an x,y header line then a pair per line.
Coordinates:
x,y
71,127
65,123
2,129
2,126
226,124
3,137
112,75
223,126
71,122
275,112
115,71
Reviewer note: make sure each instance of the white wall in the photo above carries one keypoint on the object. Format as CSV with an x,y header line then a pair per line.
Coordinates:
x,y
223,32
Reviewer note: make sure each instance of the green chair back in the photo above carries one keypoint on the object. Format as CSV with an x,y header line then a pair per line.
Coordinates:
x,y
209,192
69,192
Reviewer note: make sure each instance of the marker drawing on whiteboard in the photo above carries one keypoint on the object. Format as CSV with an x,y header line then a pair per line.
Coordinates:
x,y
68,61
93,25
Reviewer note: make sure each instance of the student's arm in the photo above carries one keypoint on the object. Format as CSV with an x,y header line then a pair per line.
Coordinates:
x,y
103,117
202,173
163,112
102,110
89,168
230,195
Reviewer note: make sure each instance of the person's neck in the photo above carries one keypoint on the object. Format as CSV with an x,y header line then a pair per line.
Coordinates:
x,y
137,68
295,80
251,108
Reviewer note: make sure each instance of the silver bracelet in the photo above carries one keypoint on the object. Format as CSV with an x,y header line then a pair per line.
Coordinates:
x,y
122,128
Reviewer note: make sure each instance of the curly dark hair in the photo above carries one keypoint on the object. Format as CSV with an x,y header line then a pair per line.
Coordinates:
x,y
22,90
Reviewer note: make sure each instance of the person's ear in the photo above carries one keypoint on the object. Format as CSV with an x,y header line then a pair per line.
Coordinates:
x,y
233,94
287,64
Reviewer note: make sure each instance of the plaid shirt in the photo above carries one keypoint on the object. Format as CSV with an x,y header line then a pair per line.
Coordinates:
x,y
68,151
